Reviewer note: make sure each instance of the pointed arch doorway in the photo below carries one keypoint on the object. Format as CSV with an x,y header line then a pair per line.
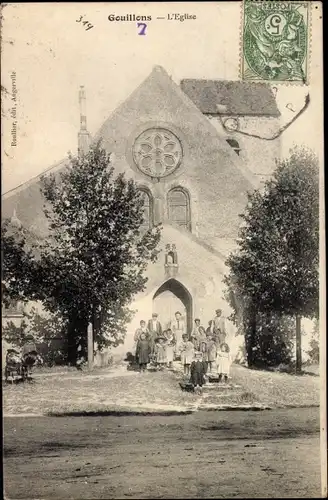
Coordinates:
x,y
170,297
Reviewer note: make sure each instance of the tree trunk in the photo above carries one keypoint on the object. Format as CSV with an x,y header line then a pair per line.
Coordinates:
x,y
90,346
71,352
298,345
92,335
71,344
77,339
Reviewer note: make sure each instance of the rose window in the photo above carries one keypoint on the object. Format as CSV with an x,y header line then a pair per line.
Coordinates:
x,y
157,152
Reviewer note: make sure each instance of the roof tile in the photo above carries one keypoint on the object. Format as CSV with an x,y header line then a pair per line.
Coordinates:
x,y
231,97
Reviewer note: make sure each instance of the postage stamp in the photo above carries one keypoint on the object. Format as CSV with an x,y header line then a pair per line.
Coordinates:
x,y
275,41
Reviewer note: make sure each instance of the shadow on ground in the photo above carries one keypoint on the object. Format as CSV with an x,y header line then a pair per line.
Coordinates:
x,y
121,413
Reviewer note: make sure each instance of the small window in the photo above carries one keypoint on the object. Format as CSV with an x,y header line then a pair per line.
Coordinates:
x,y
179,208
148,210
170,258
234,145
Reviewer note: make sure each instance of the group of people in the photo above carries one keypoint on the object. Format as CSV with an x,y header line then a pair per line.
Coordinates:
x,y
201,351
19,361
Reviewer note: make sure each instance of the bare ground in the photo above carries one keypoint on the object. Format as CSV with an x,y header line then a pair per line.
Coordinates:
x,y
269,454
118,388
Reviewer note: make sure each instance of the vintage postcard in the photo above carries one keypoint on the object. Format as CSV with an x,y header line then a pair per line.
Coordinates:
x,y
163,250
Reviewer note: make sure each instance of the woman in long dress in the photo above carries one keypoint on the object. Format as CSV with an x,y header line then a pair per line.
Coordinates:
x,y
179,329
194,336
187,354
211,353
224,362
203,340
142,329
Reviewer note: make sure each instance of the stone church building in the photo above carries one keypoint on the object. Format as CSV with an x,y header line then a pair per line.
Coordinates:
x,y
195,150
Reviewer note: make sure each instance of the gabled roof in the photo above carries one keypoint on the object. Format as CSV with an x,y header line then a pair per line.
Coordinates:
x,y
160,99
204,94
36,179
231,97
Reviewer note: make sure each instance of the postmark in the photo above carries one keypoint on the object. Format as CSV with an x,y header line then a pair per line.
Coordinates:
x,y
275,41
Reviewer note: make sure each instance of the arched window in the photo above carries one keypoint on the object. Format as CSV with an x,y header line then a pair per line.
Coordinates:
x,y
234,145
148,210
170,258
179,207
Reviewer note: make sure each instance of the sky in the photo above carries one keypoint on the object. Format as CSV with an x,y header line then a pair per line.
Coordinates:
x,y
52,54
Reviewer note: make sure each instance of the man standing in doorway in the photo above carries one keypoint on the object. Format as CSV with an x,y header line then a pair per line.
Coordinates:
x,y
179,329
219,328
155,330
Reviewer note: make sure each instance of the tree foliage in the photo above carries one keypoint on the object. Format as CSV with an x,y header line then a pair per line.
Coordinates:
x,y
275,269
272,344
48,332
314,347
18,265
94,261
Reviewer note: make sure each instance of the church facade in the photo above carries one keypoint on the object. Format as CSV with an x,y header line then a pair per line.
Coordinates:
x,y
195,150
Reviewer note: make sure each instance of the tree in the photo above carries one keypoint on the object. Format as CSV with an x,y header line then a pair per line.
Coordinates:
x,y
47,330
93,262
275,269
314,351
18,265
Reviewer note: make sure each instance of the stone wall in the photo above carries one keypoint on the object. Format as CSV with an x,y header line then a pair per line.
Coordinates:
x,y
254,136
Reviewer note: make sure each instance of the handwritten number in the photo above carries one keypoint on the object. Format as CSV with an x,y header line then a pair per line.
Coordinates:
x,y
142,27
85,23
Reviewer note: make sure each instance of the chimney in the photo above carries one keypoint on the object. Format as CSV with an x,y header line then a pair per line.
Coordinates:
x,y
83,136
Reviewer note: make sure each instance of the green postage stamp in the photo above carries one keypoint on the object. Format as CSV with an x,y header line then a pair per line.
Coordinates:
x,y
275,42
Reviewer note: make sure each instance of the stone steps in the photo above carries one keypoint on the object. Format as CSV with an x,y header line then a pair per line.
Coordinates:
x,y
223,393
222,388
211,388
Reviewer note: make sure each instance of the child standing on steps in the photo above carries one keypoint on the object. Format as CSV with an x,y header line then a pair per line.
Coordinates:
x,y
143,351
224,362
169,347
160,352
197,372
187,354
211,353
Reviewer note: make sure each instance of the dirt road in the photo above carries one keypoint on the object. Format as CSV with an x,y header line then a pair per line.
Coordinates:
x,y
203,455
